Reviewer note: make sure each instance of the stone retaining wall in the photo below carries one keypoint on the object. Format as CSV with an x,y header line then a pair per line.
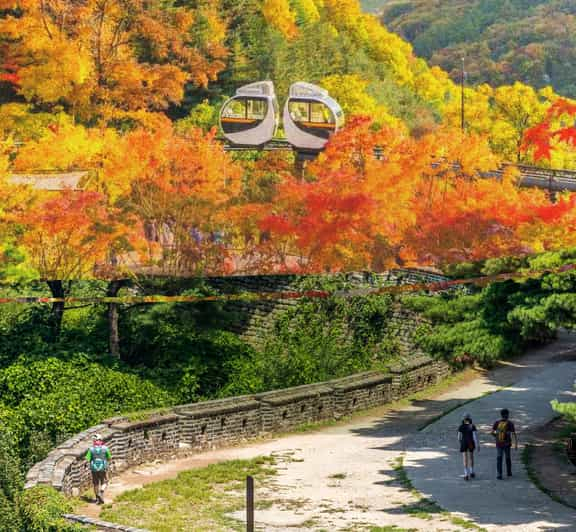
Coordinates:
x,y
191,428
186,429
256,319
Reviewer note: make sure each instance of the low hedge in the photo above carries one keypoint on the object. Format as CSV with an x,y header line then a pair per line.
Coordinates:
x,y
41,510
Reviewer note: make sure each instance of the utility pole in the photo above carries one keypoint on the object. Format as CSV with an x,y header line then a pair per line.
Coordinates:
x,y
462,118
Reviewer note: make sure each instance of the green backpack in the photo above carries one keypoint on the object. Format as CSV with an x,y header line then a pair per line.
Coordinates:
x,y
99,461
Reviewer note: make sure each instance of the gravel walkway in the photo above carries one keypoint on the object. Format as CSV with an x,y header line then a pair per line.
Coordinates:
x,y
342,477
434,464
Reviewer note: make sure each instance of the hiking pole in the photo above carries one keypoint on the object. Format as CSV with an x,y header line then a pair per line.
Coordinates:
x,y
249,504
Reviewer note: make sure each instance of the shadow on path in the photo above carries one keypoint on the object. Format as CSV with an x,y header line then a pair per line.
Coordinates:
x,y
434,464
365,448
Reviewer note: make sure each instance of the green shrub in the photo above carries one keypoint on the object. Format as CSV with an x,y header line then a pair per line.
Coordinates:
x,y
464,270
498,322
9,515
568,410
10,472
503,265
445,308
46,400
182,347
552,259
467,341
24,329
42,508
318,340
28,328
10,482
202,364
11,423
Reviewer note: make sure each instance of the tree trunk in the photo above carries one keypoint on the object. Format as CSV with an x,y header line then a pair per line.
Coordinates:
x,y
113,330
57,290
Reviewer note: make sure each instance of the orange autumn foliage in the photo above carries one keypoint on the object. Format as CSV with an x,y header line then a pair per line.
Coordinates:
x,y
69,235
472,219
65,147
180,187
428,201
542,137
130,54
327,219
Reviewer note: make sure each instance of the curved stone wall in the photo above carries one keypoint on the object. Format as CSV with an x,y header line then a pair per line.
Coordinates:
x,y
186,429
255,319
170,433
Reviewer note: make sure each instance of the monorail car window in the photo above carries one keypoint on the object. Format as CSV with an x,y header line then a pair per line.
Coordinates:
x,y
320,114
235,109
245,108
256,109
310,112
299,111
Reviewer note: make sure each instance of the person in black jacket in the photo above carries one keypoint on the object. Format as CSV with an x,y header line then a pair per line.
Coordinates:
x,y
504,431
571,448
468,438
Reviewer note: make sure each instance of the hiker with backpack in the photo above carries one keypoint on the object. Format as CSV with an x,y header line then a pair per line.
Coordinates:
x,y
468,437
571,448
99,458
503,430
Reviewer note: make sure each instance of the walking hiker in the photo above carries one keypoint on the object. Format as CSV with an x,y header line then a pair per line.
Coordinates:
x,y
571,449
99,457
468,437
503,430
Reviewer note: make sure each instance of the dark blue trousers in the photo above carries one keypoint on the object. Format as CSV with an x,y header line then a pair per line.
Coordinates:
x,y
504,451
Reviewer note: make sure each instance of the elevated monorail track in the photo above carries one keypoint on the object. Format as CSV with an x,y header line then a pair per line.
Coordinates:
x,y
530,176
544,178
273,145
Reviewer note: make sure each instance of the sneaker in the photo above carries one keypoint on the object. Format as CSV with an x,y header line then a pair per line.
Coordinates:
x,y
499,477
472,475
466,477
509,474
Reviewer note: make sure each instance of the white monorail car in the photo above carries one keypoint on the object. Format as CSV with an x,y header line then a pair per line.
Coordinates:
x,y
311,116
250,117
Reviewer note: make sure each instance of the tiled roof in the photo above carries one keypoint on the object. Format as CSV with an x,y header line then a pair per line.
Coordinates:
x,y
51,182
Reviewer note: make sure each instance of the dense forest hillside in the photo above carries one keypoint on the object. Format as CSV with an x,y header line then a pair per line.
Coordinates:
x,y
214,48
129,92
533,41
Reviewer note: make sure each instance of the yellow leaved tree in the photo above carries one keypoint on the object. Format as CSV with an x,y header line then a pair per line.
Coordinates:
x,y
278,14
350,91
131,54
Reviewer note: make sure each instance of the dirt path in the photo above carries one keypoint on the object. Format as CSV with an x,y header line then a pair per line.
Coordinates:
x,y
549,462
342,477
513,504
